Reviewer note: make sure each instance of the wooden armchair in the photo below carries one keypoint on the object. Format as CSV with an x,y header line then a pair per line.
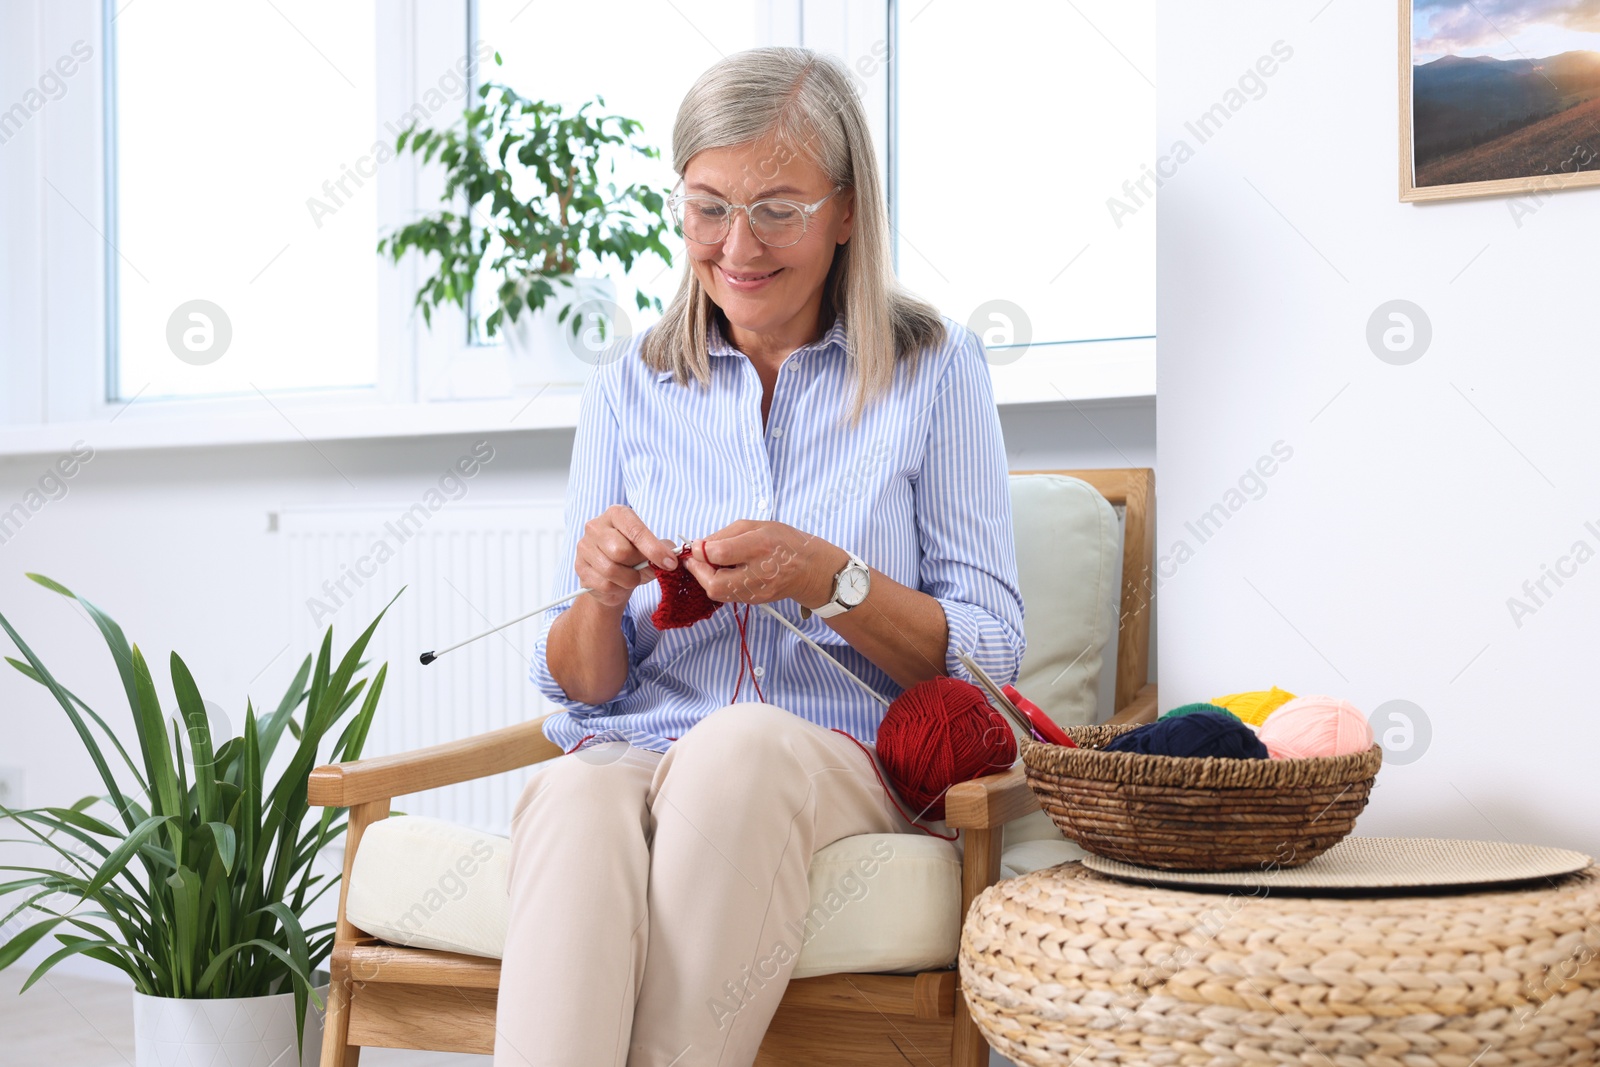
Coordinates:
x,y
387,995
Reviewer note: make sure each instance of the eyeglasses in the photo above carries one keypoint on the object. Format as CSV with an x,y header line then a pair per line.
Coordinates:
x,y
775,223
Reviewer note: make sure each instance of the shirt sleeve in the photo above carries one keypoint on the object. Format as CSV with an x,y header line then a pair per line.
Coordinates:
x,y
594,483
963,502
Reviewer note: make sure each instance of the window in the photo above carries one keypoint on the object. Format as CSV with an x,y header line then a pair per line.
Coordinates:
x,y
243,210
645,57
196,205
1016,122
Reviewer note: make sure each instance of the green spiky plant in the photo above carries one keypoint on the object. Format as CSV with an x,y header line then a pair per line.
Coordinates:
x,y
194,889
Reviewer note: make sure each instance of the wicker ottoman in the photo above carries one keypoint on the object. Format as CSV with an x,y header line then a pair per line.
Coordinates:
x,y
1065,966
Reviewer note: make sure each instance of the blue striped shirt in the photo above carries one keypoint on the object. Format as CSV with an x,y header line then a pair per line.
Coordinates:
x,y
918,490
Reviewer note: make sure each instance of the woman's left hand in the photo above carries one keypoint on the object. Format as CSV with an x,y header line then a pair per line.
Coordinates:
x,y
756,562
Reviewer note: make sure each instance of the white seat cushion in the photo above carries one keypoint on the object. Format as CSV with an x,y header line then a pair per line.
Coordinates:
x,y
885,903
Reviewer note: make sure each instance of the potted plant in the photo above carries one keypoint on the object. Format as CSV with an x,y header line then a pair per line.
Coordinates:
x,y
195,889
535,243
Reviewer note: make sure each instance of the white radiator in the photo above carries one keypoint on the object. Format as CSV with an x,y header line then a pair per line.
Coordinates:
x,y
465,567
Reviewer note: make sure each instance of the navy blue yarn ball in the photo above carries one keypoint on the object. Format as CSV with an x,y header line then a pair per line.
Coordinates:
x,y
1200,733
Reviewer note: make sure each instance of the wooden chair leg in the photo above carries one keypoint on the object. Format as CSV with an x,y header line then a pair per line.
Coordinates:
x,y
336,1049
980,869
967,1045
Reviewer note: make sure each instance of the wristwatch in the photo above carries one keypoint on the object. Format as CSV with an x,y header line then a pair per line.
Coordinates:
x,y
849,589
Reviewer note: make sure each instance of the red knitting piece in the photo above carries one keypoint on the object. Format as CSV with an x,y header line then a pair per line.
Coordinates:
x,y
683,601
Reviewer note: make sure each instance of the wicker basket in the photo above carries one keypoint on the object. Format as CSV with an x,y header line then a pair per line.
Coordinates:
x,y
1205,814
1065,966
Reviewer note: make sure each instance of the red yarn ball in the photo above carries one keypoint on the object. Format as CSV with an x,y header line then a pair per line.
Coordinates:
x,y
683,598
938,733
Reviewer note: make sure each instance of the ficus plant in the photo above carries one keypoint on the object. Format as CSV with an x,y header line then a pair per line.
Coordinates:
x,y
532,243
193,887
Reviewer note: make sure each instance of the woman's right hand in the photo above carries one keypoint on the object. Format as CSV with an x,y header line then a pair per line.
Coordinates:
x,y
613,544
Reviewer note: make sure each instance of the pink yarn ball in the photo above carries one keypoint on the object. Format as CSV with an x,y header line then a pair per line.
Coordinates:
x,y
1316,726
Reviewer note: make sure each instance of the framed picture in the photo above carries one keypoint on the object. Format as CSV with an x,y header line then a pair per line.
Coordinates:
x,y
1498,99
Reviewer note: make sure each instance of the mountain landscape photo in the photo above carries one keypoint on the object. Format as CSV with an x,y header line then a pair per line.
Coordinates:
x,y
1480,118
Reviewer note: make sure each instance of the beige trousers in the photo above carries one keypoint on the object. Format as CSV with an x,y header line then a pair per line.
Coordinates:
x,y
646,886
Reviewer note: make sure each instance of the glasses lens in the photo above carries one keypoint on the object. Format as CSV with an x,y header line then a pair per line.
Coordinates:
x,y
777,222
703,219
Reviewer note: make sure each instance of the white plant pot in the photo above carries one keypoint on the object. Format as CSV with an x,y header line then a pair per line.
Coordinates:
x,y
240,1032
541,351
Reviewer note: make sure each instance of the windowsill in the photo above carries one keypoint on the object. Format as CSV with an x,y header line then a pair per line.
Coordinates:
x,y
200,423
1076,372
1088,372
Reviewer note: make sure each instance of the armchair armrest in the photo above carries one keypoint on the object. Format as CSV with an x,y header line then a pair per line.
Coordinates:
x,y
342,785
1141,709
989,802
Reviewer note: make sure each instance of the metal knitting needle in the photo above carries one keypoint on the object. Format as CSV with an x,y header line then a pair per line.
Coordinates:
x,y
429,657
879,697
1001,701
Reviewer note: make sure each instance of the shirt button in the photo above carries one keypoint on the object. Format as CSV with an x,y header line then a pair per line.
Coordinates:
x,y
761,505
777,431
761,672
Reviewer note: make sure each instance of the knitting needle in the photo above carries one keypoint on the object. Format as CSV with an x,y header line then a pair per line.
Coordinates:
x,y
879,697
429,657
1000,699
1034,721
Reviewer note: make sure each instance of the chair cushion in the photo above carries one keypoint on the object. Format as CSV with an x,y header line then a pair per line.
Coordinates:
x,y
1069,556
883,903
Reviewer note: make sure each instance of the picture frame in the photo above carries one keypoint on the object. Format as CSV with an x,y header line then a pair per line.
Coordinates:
x,y
1499,123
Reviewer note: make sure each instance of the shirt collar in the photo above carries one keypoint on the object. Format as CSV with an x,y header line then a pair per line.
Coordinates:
x,y
718,345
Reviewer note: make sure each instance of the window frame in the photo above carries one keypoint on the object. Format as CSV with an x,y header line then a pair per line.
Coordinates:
x,y
56,381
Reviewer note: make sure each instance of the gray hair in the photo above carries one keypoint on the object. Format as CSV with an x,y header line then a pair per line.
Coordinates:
x,y
807,102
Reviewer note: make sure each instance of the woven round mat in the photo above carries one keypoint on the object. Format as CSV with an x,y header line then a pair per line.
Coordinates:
x,y
1377,863
1066,966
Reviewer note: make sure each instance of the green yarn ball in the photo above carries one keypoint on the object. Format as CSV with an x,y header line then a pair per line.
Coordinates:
x,y
1190,709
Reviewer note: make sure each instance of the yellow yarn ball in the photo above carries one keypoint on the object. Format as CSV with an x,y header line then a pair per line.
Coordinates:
x,y
1254,707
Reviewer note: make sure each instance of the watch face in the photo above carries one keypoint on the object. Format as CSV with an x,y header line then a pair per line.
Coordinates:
x,y
853,585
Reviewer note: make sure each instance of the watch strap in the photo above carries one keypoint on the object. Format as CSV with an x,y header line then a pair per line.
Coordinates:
x,y
823,611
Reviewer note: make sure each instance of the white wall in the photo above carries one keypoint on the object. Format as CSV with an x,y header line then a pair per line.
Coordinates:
x,y
1378,562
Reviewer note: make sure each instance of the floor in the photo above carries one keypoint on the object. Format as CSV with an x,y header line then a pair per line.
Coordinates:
x,y
70,1021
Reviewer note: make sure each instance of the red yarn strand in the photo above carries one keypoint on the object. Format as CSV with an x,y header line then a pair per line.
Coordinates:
x,y
745,656
738,683
890,792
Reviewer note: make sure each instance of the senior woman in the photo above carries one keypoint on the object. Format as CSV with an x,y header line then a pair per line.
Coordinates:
x,y
829,445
